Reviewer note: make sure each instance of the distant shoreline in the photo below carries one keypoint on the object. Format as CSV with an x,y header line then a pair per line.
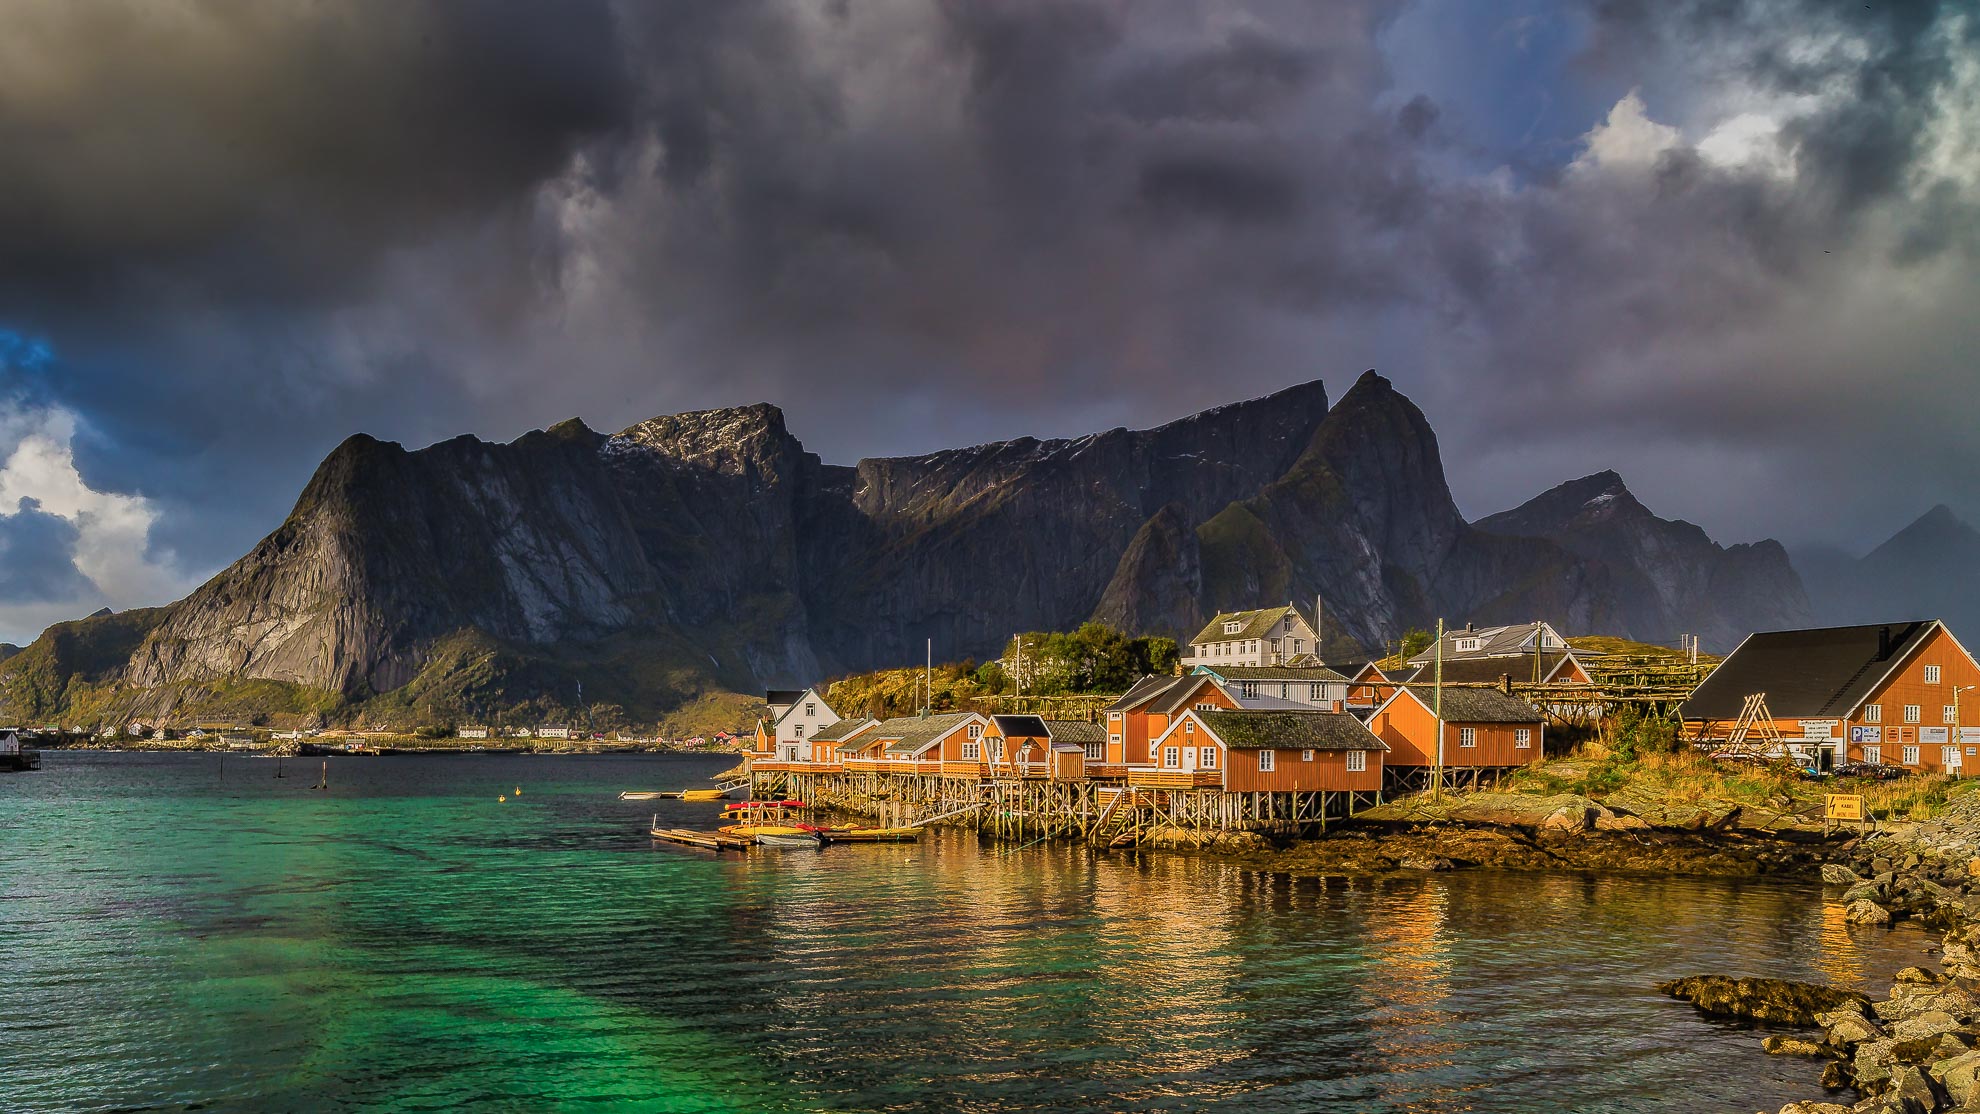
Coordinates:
x,y
407,745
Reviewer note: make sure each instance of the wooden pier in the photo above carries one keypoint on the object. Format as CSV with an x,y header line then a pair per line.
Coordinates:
x,y
1027,809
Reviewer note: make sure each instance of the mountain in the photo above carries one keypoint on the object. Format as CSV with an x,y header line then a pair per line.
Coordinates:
x,y
8,650
710,551
1925,570
1667,577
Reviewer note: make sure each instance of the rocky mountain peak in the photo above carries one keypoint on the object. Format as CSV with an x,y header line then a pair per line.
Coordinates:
x,y
733,440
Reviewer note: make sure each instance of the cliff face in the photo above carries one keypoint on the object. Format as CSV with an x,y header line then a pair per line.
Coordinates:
x,y
1924,571
710,550
1666,577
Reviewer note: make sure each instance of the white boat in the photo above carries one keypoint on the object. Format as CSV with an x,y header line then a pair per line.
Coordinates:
x,y
807,841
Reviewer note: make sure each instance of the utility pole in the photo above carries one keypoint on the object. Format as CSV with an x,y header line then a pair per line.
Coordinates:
x,y
1319,629
928,679
1437,710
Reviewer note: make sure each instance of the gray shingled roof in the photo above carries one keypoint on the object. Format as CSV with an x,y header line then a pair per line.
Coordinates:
x,y
841,729
1273,672
1140,691
1257,624
912,734
1075,731
1181,694
1021,726
1292,730
1821,673
1499,641
1464,705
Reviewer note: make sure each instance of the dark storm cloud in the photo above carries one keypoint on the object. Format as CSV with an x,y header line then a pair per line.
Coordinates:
x,y
37,562
247,230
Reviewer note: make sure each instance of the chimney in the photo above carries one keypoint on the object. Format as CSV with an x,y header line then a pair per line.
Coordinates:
x,y
1467,628
1505,683
1883,643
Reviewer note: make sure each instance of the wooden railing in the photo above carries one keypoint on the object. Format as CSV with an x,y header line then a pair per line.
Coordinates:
x,y
1145,778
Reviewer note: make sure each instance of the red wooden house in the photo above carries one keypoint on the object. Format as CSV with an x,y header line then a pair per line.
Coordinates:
x,y
1881,693
1482,729
1266,752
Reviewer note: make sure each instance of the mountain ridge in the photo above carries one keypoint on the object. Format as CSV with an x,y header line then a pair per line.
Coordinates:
x,y
710,550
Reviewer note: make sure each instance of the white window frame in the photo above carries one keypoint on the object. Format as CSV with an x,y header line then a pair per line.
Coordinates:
x,y
1248,689
1233,627
1306,755
997,749
1318,693
1207,758
1172,758
1189,727
811,709
797,731
1873,713
1467,736
1267,761
1357,761
1931,674
1873,754
976,731
1911,713
1948,713
1522,738
1911,756
1949,757
972,752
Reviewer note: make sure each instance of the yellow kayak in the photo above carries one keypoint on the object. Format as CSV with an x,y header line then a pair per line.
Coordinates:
x,y
704,794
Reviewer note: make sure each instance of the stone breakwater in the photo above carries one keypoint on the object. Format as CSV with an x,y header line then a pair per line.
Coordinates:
x,y
1917,1050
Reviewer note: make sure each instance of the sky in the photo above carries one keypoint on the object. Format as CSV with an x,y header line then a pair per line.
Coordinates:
x,y
1726,248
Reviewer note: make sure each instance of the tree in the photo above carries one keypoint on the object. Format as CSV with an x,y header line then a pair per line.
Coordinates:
x,y
1415,641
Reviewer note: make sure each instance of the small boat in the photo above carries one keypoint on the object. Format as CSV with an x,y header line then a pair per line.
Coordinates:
x,y
649,795
703,794
872,835
756,819
791,842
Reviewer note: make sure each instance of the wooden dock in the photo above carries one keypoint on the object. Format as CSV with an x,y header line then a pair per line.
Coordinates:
x,y
710,841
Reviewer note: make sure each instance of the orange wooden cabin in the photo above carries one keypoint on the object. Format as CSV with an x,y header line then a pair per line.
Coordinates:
x,y
1482,729
1266,752
1149,708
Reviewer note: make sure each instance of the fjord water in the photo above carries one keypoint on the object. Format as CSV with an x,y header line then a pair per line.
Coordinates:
x,y
189,930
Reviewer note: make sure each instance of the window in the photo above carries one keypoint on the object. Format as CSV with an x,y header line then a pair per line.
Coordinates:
x,y
1206,706
1873,756
1306,755
1911,713
1232,626
1189,727
972,751
1911,756
811,709
1949,757
1467,736
1171,757
1285,691
997,749
1288,623
976,731
1114,740
1264,761
1319,693
1467,645
1523,738
797,731
1873,713
1113,717
1248,689
1357,761
1207,758
1948,713
1097,752
1931,674
1296,645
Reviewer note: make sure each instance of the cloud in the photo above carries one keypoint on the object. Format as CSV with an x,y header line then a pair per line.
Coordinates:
x,y
1689,240
66,548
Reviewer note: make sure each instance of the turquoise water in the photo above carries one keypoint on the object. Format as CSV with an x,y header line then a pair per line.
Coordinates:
x,y
188,931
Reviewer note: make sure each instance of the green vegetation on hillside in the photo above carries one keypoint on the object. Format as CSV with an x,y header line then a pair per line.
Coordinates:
x,y
1060,668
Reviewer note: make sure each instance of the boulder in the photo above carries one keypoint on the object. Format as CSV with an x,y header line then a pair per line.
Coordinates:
x,y
1960,1076
1930,1025
1425,864
1912,1087
1908,1000
1836,874
1865,890
1779,1001
1781,1045
1814,1108
1919,976
1846,1029
1871,1064
1864,911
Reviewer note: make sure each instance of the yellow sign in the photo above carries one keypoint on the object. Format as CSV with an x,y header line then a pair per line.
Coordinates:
x,y
1844,806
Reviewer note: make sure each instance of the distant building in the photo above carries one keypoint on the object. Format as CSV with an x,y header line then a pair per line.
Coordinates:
x,y
1899,693
1269,636
473,731
1524,640
1543,668
553,731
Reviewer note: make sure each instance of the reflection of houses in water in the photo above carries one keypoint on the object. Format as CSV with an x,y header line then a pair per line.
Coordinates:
x,y
1410,933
